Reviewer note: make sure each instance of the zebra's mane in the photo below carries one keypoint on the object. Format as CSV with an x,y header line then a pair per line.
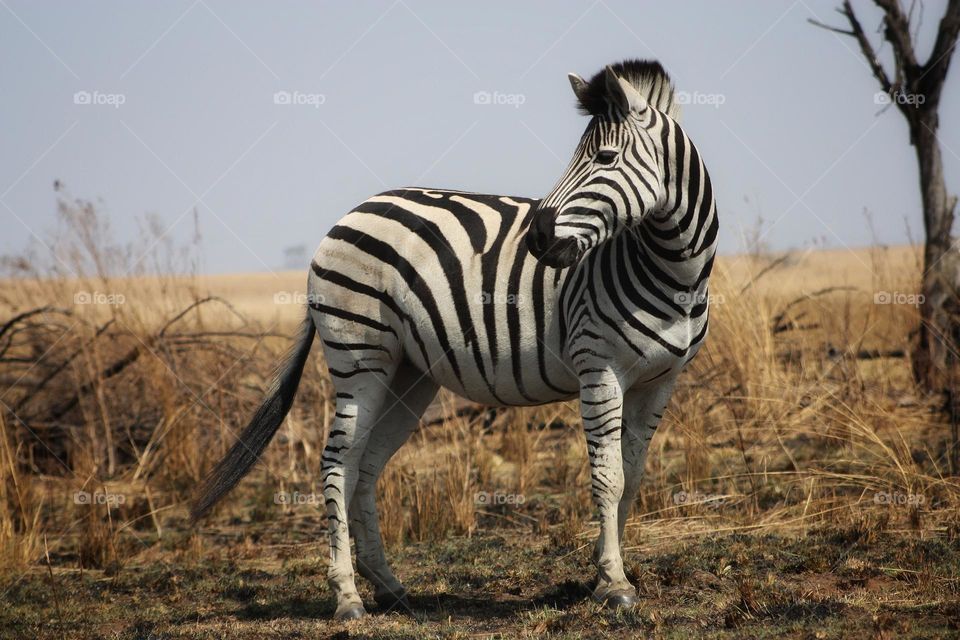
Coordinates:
x,y
647,76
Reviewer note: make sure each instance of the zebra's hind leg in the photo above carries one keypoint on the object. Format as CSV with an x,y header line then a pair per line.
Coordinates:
x,y
601,406
410,394
361,391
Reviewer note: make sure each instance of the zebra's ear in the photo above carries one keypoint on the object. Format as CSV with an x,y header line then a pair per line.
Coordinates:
x,y
579,86
621,94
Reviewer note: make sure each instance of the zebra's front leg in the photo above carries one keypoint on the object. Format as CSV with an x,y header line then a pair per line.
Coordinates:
x,y
642,411
601,405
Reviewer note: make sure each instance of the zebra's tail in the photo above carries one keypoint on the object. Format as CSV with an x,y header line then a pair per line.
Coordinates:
x,y
265,422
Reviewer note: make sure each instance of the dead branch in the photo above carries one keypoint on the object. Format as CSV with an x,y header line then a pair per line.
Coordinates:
x,y
779,327
63,365
770,267
856,31
119,365
196,304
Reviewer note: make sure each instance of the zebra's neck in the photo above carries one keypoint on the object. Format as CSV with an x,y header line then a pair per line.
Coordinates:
x,y
679,239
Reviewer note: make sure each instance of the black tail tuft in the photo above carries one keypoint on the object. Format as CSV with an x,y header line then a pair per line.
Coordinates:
x,y
258,433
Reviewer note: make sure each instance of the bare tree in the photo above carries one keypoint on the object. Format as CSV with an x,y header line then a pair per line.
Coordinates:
x,y
914,88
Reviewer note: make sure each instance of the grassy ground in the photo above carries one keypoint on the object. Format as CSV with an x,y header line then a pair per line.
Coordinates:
x,y
269,582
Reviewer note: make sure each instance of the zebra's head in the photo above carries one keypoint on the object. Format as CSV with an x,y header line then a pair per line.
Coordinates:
x,y
616,175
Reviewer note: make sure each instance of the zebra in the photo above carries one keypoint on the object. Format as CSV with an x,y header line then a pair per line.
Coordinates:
x,y
598,291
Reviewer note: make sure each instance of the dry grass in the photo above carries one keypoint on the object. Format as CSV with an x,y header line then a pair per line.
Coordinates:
x,y
798,419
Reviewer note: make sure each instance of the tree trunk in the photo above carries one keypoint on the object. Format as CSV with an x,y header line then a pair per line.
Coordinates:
x,y
935,361
934,355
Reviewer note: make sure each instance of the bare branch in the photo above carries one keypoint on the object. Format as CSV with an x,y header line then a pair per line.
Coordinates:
x,y
935,69
897,32
824,25
856,31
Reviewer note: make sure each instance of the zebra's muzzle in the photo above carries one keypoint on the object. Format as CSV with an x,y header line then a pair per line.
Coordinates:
x,y
542,242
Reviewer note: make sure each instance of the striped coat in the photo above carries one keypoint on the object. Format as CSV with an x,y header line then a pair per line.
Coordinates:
x,y
597,291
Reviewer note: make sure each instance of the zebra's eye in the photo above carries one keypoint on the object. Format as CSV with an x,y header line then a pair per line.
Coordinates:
x,y
606,157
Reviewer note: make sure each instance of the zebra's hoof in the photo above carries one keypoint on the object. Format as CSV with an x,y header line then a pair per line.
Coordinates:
x,y
349,612
391,601
620,599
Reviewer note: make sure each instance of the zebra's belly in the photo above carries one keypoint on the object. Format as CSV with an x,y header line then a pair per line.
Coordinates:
x,y
523,371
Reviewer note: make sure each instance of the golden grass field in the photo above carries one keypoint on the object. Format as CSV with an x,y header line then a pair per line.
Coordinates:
x,y
799,486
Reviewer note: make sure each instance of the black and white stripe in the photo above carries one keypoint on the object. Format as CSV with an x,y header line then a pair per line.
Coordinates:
x,y
597,291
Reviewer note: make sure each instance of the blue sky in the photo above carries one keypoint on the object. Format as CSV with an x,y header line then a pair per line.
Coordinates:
x,y
384,94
